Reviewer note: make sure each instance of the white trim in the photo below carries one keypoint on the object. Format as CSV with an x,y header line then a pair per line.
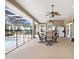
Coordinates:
x,y
69,29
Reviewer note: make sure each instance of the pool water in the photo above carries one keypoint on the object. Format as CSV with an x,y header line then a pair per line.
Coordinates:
x,y
10,41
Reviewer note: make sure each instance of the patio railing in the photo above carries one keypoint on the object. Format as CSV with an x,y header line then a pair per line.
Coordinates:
x,y
16,38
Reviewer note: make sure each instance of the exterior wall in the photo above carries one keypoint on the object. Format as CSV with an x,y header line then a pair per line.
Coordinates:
x,y
58,22
60,26
68,22
64,23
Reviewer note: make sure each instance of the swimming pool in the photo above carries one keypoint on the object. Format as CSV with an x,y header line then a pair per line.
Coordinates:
x,y
10,41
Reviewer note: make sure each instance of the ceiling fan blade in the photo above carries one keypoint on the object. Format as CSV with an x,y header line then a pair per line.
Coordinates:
x,y
56,13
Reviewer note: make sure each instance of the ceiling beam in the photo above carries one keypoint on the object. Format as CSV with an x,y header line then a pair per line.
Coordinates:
x,y
22,9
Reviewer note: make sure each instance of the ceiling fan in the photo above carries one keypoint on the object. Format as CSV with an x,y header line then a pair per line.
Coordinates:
x,y
53,13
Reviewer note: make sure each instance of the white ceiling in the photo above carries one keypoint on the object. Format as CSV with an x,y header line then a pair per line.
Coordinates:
x,y
39,8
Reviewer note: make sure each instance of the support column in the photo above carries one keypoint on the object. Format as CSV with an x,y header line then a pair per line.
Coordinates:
x,y
33,29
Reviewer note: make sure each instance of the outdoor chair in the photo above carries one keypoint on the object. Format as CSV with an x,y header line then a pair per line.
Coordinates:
x,y
42,37
49,38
